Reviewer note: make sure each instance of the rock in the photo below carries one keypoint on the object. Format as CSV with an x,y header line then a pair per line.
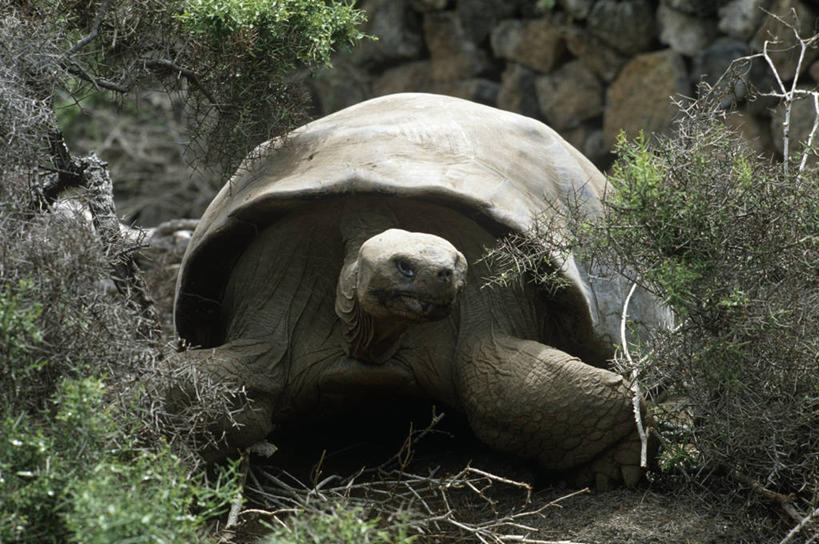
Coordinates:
x,y
535,43
813,71
410,77
479,17
754,130
589,141
640,97
342,85
579,9
761,80
710,66
595,148
802,116
429,5
417,77
480,90
576,136
454,55
569,95
787,56
593,52
699,8
517,90
710,63
740,18
684,33
397,29
628,25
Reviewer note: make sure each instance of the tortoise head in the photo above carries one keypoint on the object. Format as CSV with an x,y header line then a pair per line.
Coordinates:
x,y
408,276
397,279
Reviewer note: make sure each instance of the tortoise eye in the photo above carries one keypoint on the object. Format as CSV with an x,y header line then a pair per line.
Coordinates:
x,y
405,268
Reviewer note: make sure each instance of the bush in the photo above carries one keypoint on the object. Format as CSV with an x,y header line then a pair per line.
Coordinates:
x,y
82,454
730,242
231,60
343,525
75,474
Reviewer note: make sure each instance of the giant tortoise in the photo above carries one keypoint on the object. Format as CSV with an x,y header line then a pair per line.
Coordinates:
x,y
345,258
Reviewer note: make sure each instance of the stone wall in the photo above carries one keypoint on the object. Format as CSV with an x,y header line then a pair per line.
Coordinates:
x,y
588,68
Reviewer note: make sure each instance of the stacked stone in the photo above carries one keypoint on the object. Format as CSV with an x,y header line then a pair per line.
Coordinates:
x,y
588,68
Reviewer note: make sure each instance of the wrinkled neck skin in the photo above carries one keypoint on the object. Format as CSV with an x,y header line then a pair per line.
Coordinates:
x,y
366,339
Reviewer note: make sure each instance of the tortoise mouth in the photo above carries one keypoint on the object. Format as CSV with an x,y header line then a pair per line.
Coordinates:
x,y
429,309
415,307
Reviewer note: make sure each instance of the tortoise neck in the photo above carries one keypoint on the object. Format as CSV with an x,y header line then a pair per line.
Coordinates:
x,y
365,338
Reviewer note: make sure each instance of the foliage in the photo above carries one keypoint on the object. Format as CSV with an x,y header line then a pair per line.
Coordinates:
x,y
74,473
270,30
231,60
343,525
18,332
82,387
730,242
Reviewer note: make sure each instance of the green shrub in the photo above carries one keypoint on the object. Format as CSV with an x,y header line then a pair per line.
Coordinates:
x,y
731,243
271,30
18,333
344,525
76,474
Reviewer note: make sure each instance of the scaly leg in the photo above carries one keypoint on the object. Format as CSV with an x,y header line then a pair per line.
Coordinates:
x,y
540,403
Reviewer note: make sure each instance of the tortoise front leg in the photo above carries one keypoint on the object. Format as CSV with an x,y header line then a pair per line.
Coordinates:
x,y
227,392
540,403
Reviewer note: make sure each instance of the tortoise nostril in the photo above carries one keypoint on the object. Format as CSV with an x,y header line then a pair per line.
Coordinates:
x,y
445,274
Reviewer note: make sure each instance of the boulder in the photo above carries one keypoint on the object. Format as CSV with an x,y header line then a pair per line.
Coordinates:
x,y
628,25
517,90
398,30
342,85
595,148
454,55
640,97
754,130
479,17
740,18
813,71
535,43
710,63
409,77
569,95
579,9
683,32
785,54
699,8
483,91
417,77
428,5
593,52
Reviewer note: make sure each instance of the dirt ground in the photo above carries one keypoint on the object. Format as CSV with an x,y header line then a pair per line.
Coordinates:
x,y
663,510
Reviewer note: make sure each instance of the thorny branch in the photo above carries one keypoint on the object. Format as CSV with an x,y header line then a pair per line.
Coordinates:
x,y
431,502
634,385
92,173
786,95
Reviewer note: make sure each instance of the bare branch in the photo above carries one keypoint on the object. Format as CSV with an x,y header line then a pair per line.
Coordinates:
x,y
91,35
809,143
801,525
633,383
